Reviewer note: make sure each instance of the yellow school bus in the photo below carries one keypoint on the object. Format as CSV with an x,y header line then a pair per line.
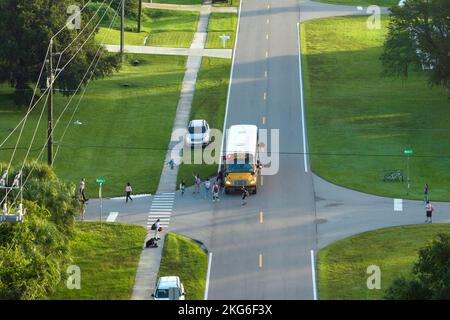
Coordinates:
x,y
241,158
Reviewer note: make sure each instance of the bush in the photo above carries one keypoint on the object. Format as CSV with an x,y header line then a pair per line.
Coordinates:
x,y
431,274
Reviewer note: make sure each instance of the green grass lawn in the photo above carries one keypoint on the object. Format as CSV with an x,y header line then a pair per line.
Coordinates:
x,y
184,258
359,123
382,3
125,131
165,28
209,104
108,257
233,3
219,24
342,265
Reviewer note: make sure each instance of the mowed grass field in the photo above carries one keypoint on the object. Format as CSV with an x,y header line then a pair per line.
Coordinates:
x,y
165,28
359,123
184,258
108,257
342,266
221,24
124,133
209,103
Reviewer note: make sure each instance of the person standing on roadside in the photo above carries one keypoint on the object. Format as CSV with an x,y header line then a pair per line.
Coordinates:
x,y
425,193
81,191
128,191
429,212
245,195
207,185
182,187
216,190
197,183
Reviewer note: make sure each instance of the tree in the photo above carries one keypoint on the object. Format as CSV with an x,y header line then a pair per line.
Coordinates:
x,y
431,274
32,254
419,34
26,28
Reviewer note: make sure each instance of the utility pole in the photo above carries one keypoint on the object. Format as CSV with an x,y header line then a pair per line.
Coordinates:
x,y
122,28
139,16
50,78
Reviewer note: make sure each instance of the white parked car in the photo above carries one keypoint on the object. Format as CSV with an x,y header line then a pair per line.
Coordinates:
x,y
198,133
169,288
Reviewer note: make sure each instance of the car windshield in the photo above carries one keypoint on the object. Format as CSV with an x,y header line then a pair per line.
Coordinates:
x,y
162,293
241,167
197,129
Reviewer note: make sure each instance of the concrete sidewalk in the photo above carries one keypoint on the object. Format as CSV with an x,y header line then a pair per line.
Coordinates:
x,y
198,52
150,258
201,8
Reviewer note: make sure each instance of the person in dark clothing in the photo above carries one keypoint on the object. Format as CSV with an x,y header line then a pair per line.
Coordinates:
x,y
245,195
425,193
128,191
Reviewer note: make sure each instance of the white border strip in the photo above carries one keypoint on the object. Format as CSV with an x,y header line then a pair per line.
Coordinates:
x,y
112,217
302,103
224,129
208,274
313,268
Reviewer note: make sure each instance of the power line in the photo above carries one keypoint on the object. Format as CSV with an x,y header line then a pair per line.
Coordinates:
x,y
81,82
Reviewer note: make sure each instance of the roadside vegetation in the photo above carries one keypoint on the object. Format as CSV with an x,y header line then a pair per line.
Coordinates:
x,y
184,258
342,265
360,122
33,251
209,104
108,257
165,28
366,3
126,123
219,24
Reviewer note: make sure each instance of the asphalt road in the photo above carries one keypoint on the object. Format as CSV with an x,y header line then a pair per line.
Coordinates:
x,y
265,252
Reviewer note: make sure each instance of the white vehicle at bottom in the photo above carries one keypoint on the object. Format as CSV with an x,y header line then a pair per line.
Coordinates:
x,y
169,288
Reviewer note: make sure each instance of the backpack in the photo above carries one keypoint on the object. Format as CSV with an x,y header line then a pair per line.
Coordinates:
x,y
153,226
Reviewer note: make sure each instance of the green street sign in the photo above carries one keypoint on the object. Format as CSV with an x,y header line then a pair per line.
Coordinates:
x,y
100,180
408,152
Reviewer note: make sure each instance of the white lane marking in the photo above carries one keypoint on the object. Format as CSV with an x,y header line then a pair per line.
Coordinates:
x,y
268,21
229,84
313,268
133,195
398,204
267,54
112,217
208,274
267,36
155,213
265,74
305,158
265,95
264,120
161,209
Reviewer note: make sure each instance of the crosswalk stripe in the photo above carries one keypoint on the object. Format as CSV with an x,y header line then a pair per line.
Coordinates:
x,y
161,209
160,219
156,213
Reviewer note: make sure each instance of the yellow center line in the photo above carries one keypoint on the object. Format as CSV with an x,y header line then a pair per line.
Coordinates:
x,y
261,217
262,181
260,261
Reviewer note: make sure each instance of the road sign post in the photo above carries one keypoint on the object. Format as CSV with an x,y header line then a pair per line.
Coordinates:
x,y
408,153
100,181
224,39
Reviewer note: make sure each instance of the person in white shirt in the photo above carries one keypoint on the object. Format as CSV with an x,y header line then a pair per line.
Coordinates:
x,y
128,191
81,190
